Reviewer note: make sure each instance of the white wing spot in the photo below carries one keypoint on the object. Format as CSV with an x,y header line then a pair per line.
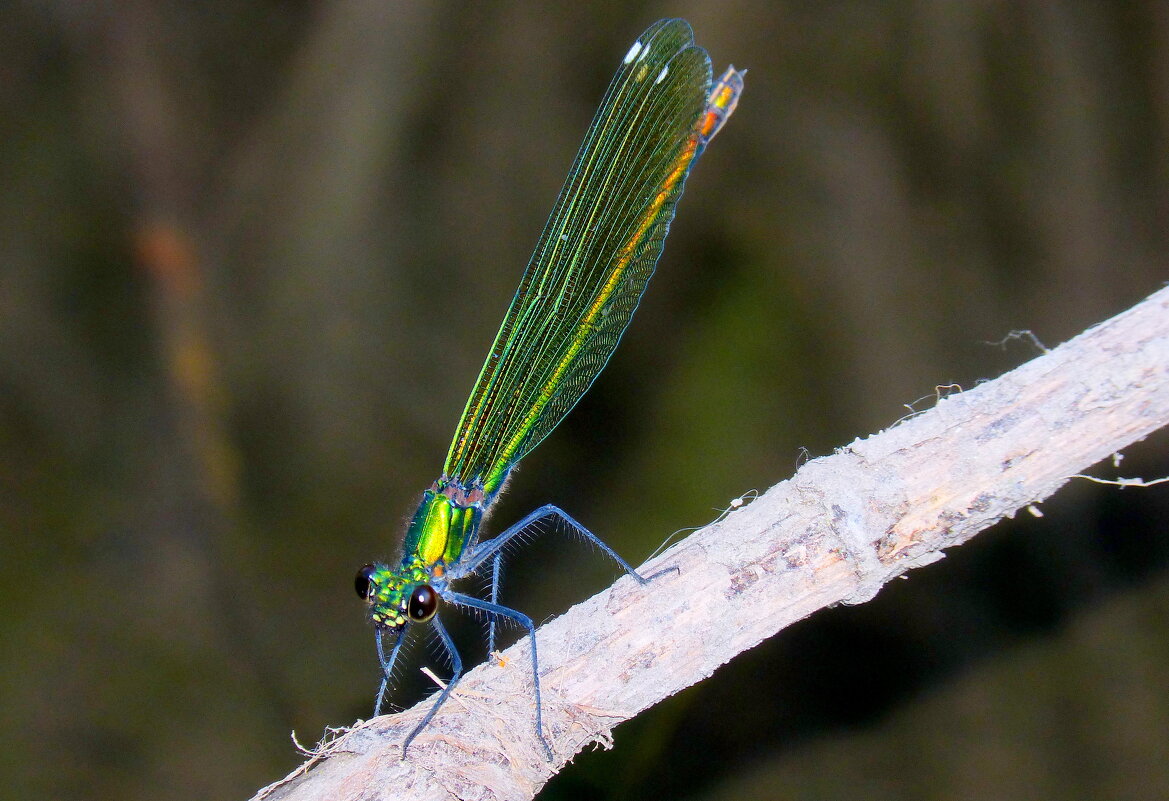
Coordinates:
x,y
633,51
662,75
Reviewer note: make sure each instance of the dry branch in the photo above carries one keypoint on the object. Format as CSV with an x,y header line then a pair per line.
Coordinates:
x,y
834,533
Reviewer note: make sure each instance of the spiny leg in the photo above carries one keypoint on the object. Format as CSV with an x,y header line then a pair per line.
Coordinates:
x,y
485,550
387,665
494,547
456,672
494,609
496,575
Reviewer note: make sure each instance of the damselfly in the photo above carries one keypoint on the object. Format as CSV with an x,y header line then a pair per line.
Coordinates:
x,y
577,295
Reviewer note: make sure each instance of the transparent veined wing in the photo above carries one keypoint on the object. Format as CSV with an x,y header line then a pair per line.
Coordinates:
x,y
594,257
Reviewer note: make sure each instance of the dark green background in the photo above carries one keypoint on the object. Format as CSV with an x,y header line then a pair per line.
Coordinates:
x,y
196,452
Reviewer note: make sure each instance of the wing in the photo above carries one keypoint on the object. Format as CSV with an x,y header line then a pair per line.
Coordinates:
x,y
594,258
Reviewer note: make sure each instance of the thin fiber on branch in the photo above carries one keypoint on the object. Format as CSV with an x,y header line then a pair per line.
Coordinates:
x,y
834,533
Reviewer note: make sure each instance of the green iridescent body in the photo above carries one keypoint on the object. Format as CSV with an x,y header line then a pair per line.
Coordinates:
x,y
585,279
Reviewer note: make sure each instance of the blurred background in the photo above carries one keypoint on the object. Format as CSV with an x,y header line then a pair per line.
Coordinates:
x,y
251,258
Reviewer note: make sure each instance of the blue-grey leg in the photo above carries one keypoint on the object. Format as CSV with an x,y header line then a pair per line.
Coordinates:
x,y
387,665
494,609
456,672
496,574
485,550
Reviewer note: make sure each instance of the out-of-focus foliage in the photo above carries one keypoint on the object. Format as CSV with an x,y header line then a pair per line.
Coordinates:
x,y
251,257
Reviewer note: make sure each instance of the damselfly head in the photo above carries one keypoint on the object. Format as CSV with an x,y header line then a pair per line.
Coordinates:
x,y
395,597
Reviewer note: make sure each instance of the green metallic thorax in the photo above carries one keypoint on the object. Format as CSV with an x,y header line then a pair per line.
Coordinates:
x,y
446,521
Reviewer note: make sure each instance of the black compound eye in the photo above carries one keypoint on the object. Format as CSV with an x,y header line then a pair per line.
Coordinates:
x,y
363,582
423,603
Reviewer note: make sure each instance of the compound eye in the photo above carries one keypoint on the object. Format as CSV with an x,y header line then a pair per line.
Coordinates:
x,y
423,603
363,582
